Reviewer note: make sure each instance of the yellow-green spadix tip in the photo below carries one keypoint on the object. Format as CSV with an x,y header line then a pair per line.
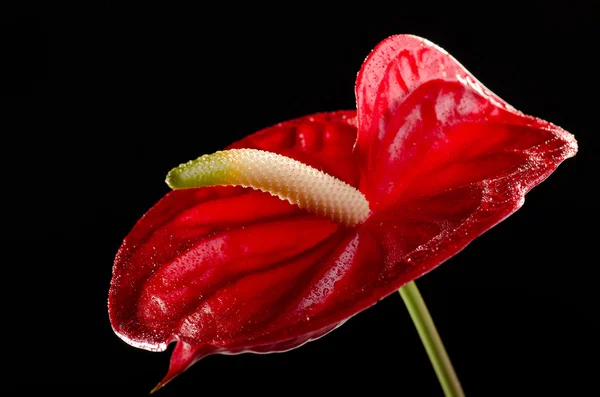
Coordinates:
x,y
207,170
278,175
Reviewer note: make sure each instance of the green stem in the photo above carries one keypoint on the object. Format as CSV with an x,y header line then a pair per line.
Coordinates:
x,y
431,340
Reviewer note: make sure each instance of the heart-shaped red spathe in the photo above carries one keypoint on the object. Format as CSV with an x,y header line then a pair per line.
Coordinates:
x,y
229,270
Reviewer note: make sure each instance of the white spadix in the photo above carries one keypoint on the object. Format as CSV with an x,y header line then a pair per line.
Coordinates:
x,y
281,176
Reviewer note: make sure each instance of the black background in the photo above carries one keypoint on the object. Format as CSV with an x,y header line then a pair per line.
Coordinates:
x,y
97,105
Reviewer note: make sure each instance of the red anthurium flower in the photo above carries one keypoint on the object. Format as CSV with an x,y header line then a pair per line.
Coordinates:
x,y
440,160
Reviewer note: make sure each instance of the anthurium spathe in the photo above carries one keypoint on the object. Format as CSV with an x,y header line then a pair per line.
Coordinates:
x,y
251,267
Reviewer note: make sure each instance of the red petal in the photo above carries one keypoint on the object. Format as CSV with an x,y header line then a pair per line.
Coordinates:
x,y
427,125
210,267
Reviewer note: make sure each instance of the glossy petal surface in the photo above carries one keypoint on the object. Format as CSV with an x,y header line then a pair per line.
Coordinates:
x,y
440,159
212,268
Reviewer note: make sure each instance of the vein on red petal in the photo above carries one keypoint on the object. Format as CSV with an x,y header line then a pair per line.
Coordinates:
x,y
450,131
244,309
186,281
395,68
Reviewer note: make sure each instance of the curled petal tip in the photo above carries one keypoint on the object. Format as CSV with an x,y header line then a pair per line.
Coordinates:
x,y
157,387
